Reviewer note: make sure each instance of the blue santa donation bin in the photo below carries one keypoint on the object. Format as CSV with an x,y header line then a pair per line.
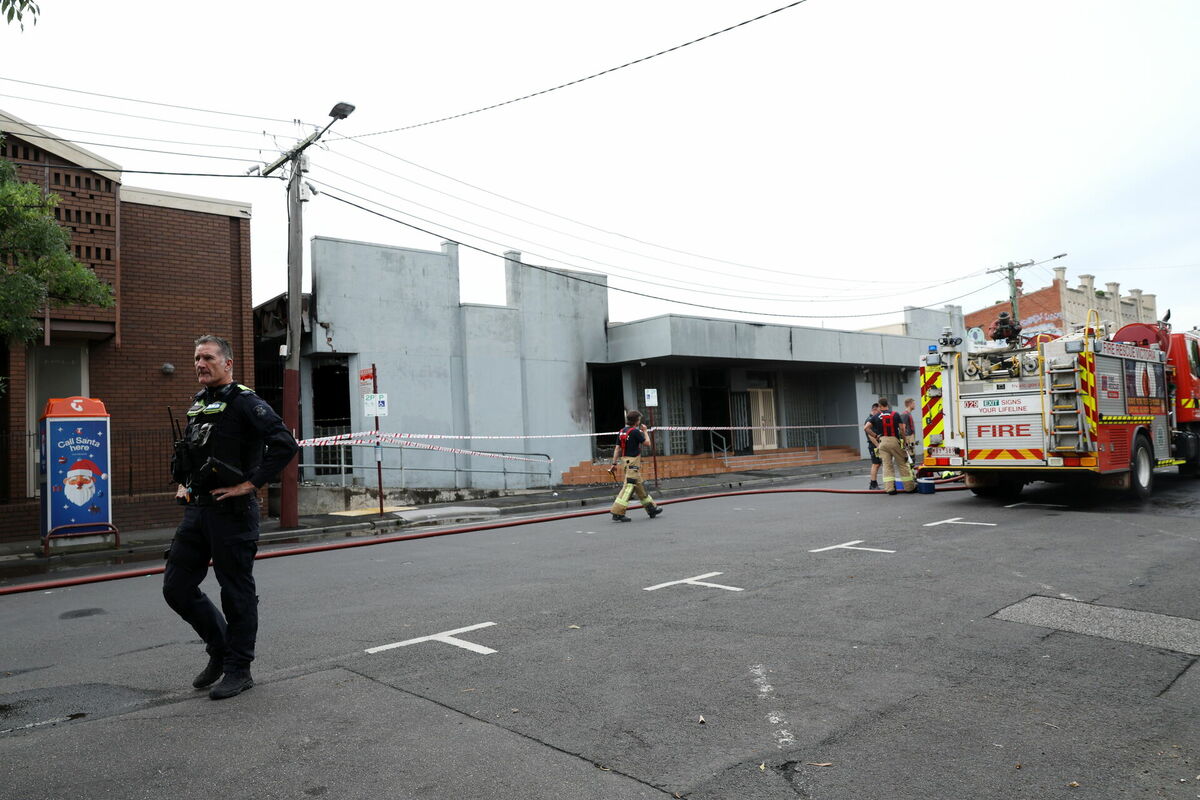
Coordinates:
x,y
74,473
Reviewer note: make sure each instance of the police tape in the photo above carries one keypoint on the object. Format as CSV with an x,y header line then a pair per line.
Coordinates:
x,y
352,438
342,438
371,439
749,427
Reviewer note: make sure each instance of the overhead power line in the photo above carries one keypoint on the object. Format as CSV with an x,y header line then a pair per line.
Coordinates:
x,y
139,116
179,174
149,102
255,148
641,255
713,259
608,71
691,286
584,279
128,147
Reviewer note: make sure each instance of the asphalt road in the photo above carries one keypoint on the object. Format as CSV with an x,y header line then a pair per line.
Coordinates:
x,y
827,646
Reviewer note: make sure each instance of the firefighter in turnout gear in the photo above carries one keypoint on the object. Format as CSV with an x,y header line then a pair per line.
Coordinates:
x,y
887,430
628,452
233,444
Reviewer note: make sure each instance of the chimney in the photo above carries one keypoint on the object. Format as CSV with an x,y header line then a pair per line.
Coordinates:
x,y
1088,284
1138,314
1060,274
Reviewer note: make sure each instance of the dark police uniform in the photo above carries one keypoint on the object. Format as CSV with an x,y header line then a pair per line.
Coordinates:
x,y
228,429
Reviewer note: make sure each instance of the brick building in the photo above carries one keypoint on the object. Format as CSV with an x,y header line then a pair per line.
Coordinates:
x,y
1058,308
179,266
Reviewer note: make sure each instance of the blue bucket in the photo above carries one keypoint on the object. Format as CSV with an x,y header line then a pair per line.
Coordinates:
x,y
926,486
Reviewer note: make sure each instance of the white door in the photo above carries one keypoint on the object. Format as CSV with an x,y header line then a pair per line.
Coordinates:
x,y
762,414
55,371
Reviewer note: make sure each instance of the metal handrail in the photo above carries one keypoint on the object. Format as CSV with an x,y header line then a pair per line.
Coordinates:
x,y
712,445
816,437
370,464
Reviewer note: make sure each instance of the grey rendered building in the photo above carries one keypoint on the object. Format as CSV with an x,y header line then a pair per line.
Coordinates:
x,y
548,363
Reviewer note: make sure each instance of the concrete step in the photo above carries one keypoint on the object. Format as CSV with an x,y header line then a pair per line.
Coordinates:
x,y
707,464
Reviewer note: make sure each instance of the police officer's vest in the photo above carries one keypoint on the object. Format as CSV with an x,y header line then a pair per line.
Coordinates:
x,y
209,434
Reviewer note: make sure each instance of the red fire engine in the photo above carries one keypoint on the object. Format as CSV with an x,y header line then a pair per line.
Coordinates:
x,y
1087,406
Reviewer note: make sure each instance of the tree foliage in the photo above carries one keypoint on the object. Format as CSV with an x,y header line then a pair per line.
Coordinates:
x,y
17,10
36,266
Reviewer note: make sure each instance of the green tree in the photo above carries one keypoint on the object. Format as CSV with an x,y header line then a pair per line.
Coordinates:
x,y
16,10
36,266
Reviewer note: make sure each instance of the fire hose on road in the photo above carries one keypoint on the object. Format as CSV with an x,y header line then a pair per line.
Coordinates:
x,y
62,583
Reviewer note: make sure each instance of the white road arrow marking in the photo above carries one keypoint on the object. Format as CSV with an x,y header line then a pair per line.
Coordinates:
x,y
957,521
1037,505
850,546
447,638
697,581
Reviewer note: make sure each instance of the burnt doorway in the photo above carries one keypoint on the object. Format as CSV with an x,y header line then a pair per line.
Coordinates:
x,y
331,414
608,404
710,409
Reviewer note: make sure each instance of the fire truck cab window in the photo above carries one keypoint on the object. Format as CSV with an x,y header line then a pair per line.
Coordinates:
x,y
1194,356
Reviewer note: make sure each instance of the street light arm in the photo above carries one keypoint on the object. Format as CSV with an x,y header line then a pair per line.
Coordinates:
x,y
299,148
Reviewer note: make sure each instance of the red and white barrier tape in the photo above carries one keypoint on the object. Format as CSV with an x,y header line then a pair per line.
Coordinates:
x,y
345,438
369,437
748,427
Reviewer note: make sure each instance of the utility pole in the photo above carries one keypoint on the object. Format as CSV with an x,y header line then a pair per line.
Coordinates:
x,y
1011,269
289,481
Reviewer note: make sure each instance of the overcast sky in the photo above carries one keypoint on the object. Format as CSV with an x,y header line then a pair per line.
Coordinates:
x,y
836,159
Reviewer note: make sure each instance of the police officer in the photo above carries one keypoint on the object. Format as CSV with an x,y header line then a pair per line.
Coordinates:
x,y
629,452
233,444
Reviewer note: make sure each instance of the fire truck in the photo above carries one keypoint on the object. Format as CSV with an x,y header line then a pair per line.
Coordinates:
x,y
1097,407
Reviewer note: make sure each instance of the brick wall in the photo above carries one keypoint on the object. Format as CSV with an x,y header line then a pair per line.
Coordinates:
x,y
177,274
1039,310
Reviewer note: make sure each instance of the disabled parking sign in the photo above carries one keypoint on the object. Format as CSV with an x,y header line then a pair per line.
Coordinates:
x,y
375,405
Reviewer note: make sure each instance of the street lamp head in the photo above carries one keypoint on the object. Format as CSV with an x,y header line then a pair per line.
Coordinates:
x,y
341,111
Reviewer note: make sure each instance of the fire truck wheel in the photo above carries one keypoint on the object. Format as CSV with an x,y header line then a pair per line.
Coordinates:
x,y
1191,469
1142,467
1009,488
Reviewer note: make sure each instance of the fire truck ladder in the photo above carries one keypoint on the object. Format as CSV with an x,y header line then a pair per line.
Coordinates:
x,y
1067,416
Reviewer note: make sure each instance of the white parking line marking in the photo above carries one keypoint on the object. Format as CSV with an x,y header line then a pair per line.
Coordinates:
x,y
696,581
958,521
447,638
1037,505
850,546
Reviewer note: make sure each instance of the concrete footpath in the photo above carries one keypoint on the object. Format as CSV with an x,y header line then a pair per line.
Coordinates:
x,y
23,561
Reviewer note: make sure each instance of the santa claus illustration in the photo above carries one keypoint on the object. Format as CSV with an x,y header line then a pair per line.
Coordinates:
x,y
80,484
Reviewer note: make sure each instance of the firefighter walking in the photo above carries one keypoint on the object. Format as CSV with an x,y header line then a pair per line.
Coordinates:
x,y
887,430
628,452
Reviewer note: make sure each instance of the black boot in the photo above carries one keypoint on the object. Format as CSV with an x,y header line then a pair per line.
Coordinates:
x,y
234,683
209,674
653,511
620,518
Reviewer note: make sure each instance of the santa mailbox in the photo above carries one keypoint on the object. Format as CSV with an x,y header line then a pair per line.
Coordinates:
x,y
74,475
